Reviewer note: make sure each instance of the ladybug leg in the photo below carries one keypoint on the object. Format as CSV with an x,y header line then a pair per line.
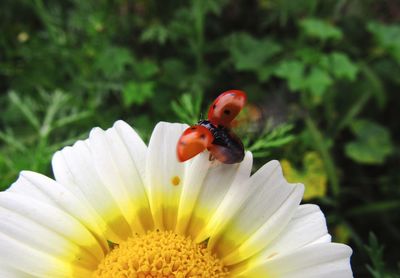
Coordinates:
x,y
211,157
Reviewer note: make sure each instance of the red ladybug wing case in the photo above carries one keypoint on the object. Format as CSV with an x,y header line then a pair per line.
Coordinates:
x,y
226,107
193,141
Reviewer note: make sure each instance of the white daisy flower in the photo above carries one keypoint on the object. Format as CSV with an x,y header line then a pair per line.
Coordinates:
x,y
120,209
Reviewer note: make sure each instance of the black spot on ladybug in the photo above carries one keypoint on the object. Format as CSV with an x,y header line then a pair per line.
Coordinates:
x,y
193,128
202,136
182,143
214,106
232,94
227,112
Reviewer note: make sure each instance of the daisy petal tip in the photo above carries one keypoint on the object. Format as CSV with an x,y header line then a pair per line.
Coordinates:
x,y
160,128
162,124
97,131
347,250
21,175
163,129
310,208
275,163
68,148
123,128
171,125
248,155
56,157
300,187
122,124
26,174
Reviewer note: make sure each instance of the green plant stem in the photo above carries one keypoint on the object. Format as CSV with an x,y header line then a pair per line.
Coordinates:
x,y
198,11
354,110
377,207
355,236
338,9
322,148
46,19
358,106
25,110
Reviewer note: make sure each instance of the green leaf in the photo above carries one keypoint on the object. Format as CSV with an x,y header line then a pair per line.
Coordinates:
x,y
373,143
318,81
374,85
9,138
271,138
155,33
25,109
308,55
293,72
112,61
249,53
265,72
146,69
137,92
387,37
171,69
317,28
375,251
340,65
313,175
188,107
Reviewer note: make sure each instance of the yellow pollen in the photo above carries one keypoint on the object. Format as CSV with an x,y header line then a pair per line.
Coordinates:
x,y
175,181
161,254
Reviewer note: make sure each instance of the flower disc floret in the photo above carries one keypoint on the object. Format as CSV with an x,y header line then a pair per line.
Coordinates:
x,y
161,254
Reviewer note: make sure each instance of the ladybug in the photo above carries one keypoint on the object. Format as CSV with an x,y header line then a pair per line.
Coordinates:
x,y
215,134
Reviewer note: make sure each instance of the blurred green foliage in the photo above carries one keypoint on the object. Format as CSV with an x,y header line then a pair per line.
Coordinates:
x,y
375,251
321,76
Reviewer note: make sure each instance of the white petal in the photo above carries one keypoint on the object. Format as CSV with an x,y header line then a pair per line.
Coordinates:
x,y
165,174
37,263
208,189
46,190
195,172
34,261
117,169
40,239
269,207
307,226
324,239
135,146
103,173
231,202
327,260
7,271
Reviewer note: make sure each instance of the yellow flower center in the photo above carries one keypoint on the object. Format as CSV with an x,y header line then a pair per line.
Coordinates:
x,y
160,254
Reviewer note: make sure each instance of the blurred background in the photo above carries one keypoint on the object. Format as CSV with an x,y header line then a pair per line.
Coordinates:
x,y
322,78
